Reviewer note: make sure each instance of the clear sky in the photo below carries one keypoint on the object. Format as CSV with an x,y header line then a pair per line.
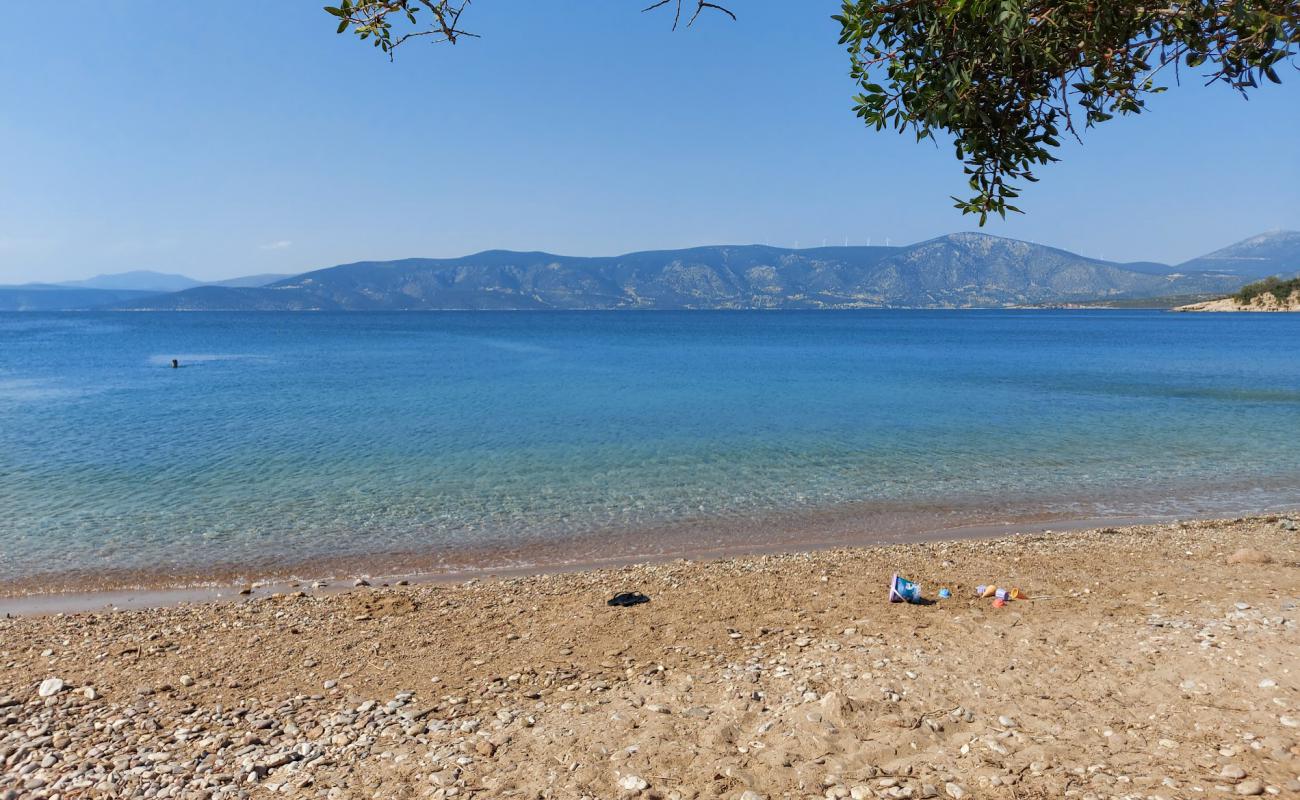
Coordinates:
x,y
206,139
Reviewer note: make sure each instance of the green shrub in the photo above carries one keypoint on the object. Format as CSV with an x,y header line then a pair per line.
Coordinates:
x,y
1271,285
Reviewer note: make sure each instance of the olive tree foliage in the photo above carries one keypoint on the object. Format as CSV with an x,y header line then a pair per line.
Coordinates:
x,y
1005,79
374,20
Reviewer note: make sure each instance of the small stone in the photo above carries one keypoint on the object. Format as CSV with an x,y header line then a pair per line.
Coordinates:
x,y
1267,683
1233,772
330,684
1250,788
1242,606
485,748
1248,556
1006,722
954,791
89,692
860,793
50,687
186,680
1290,722
750,794
402,582
360,582
633,783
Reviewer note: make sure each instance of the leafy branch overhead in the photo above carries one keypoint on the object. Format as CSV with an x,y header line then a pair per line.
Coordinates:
x,y
1005,79
373,20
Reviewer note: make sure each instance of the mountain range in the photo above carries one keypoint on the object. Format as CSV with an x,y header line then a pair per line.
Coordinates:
x,y
108,291
156,282
961,270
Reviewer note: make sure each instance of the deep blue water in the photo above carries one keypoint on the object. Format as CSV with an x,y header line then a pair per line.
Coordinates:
x,y
290,436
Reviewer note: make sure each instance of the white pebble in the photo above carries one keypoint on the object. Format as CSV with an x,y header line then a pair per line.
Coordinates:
x,y
633,783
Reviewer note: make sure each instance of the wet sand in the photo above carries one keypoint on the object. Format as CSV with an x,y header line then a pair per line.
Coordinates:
x,y
1150,661
114,589
844,525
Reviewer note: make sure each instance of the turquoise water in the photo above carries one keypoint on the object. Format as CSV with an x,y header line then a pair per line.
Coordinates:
x,y
290,437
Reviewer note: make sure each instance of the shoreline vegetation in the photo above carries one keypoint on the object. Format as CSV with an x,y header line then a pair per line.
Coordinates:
x,y
1269,295
1151,660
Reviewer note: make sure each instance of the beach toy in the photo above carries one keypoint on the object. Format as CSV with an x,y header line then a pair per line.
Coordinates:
x,y
988,591
1016,594
901,590
944,594
1001,594
979,590
999,603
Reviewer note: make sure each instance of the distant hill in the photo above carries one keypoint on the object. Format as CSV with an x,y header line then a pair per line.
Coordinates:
x,y
251,280
109,290
156,282
48,297
1273,253
137,280
963,270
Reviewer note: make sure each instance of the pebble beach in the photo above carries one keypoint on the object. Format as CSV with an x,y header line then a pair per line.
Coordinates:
x,y
1155,661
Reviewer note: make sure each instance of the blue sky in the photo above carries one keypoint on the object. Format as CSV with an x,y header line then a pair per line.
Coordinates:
x,y
184,137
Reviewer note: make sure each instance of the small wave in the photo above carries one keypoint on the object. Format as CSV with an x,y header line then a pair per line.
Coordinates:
x,y
513,346
35,390
29,322
203,358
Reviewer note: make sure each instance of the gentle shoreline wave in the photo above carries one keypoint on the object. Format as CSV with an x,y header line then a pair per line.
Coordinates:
x,y
469,441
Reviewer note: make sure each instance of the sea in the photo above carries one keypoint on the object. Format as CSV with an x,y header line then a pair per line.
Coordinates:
x,y
305,443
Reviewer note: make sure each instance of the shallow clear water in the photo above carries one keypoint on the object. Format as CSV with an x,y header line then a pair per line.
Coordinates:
x,y
287,437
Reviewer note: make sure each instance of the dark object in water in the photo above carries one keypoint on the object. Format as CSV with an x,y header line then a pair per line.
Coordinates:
x,y
627,599
176,363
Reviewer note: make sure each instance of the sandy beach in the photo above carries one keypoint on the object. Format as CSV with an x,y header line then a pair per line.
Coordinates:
x,y
1150,661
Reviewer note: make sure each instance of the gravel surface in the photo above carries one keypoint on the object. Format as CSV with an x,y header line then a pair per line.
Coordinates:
x,y
1152,661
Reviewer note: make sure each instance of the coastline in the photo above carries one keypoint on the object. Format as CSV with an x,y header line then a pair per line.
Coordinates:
x,y
1150,660
1263,304
848,525
157,591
